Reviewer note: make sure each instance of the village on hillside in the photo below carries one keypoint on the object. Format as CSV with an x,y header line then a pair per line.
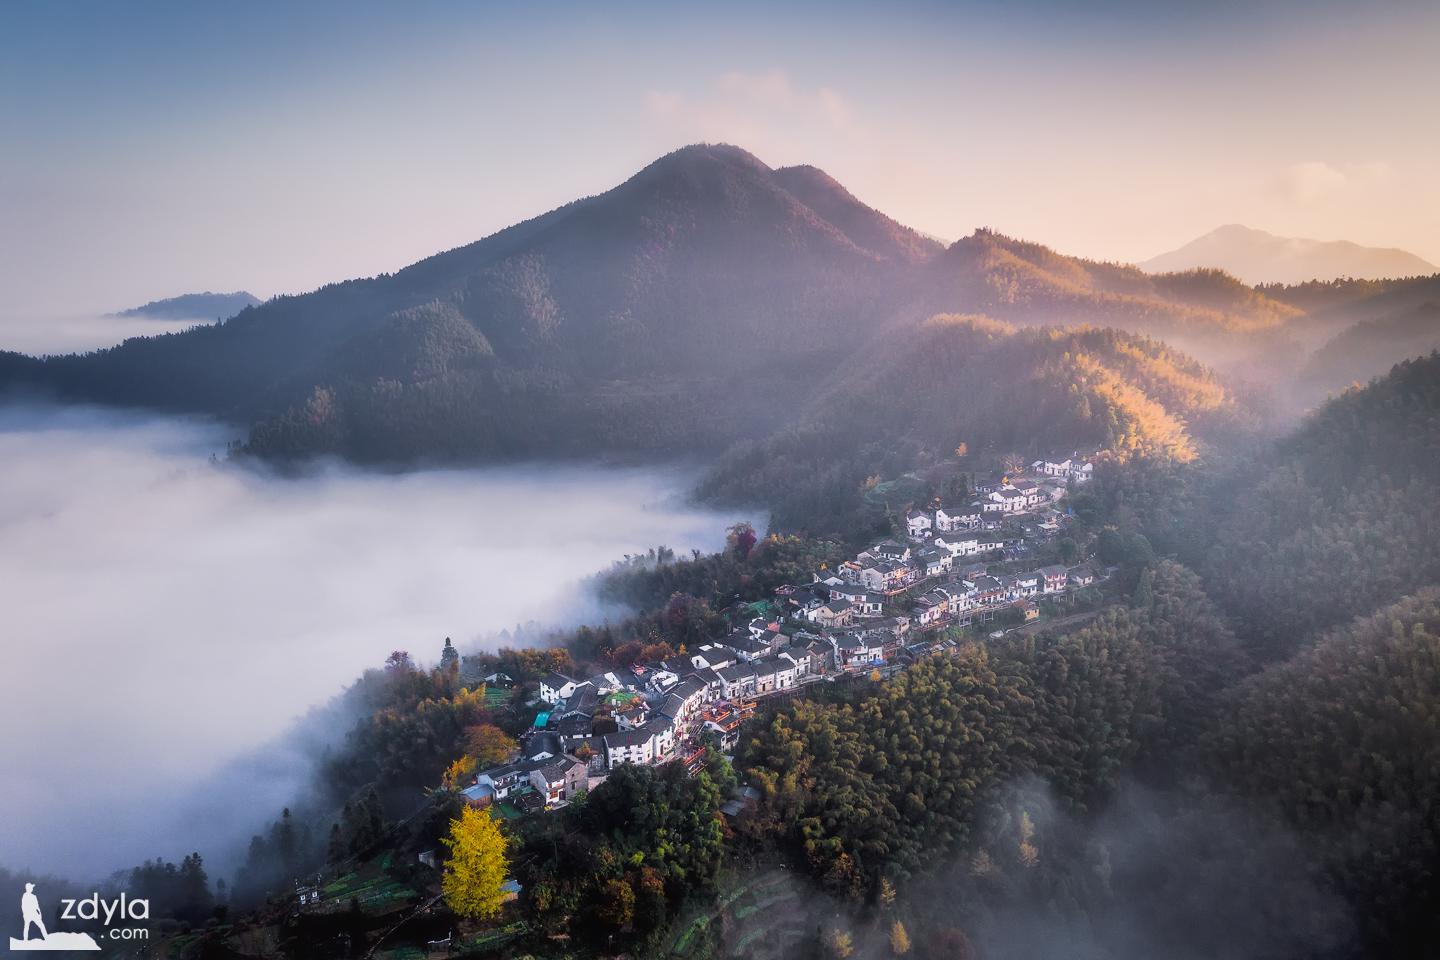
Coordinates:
x,y
953,566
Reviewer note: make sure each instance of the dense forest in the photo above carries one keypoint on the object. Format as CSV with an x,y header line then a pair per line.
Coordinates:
x,y
1264,752
880,789
1342,742
1333,521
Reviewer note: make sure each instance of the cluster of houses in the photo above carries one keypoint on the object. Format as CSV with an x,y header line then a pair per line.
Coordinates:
x,y
648,714
1073,469
944,543
1000,500
849,596
884,607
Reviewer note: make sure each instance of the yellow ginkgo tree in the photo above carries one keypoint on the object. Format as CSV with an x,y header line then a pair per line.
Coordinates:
x,y
476,870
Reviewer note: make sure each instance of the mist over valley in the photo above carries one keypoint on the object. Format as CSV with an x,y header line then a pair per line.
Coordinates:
x,y
167,611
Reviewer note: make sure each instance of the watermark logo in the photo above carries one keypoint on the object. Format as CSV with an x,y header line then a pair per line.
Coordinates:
x,y
35,936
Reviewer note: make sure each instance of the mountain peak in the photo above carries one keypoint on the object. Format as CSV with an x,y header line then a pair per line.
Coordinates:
x,y
866,227
1238,230
1256,256
697,155
810,174
194,306
718,172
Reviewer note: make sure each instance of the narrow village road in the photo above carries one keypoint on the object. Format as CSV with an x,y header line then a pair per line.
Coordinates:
x,y
1062,623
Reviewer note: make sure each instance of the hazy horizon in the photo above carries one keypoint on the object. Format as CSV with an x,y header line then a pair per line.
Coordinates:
x,y
167,149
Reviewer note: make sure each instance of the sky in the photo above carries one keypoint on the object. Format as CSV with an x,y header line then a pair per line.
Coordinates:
x,y
152,149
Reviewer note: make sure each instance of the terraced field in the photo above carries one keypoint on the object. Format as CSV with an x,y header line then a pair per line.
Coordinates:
x,y
376,892
762,918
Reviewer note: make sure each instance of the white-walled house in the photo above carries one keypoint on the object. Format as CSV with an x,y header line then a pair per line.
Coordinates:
x,y
1052,468
885,575
561,779
961,594
962,518
1053,578
889,550
738,681
857,650
714,656
555,687
633,715
931,607
959,544
652,743
865,602
801,657
918,524
1005,500
1030,491
661,679
931,561
684,701
988,591
948,521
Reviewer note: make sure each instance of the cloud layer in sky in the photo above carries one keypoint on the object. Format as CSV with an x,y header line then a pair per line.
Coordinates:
x,y
1315,181
740,107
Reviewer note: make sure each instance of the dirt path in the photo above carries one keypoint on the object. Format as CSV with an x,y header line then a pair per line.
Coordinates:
x,y
1058,623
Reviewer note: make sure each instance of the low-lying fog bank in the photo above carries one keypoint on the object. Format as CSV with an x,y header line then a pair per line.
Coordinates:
x,y
81,333
164,613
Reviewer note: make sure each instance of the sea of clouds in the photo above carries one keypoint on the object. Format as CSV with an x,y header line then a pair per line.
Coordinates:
x,y
167,614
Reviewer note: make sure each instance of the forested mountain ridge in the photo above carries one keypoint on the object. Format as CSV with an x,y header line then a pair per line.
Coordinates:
x,y
1369,347
194,306
701,269
824,195
613,283
1329,300
997,389
705,301
1343,742
1014,279
1262,333
1336,518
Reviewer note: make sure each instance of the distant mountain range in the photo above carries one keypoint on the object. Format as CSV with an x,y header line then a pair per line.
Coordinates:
x,y
1255,256
707,301
194,306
